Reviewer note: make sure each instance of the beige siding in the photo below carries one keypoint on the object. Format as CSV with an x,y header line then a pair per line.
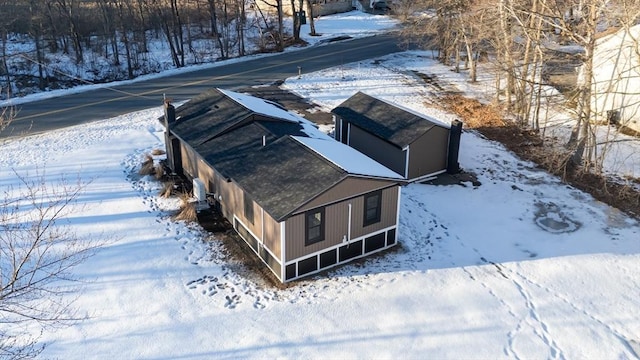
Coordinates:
x,y
345,189
337,224
272,235
189,164
232,203
229,198
205,173
387,214
428,154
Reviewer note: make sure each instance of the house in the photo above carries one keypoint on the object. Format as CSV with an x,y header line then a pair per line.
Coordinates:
x,y
616,79
301,200
411,144
320,7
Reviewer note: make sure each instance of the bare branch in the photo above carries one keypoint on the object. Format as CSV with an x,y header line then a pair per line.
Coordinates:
x,y
37,255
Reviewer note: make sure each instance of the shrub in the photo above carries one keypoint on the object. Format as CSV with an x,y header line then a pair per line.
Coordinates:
x,y
187,210
147,167
159,171
167,188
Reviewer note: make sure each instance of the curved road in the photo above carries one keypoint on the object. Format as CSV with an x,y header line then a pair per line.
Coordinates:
x,y
44,115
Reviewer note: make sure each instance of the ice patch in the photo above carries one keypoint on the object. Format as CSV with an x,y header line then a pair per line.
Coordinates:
x,y
550,218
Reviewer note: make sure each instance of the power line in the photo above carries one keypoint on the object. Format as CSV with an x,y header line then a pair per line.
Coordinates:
x,y
54,70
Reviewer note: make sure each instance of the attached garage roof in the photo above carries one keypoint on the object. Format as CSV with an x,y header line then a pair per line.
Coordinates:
x,y
396,124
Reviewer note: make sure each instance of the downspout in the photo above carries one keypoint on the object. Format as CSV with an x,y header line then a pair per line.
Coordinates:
x,y
262,220
397,216
283,252
406,164
349,227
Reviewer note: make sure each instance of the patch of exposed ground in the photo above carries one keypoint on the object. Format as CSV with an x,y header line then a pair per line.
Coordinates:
x,y
527,144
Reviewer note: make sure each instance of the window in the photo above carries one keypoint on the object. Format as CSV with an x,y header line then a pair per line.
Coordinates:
x,y
314,226
248,208
372,205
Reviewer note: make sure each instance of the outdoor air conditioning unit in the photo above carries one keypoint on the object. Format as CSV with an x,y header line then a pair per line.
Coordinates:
x,y
199,191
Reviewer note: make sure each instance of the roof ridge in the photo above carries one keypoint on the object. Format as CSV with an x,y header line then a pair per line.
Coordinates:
x,y
234,96
363,157
404,108
315,153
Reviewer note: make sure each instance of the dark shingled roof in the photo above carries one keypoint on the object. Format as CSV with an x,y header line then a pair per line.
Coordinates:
x,y
283,176
392,123
207,115
280,177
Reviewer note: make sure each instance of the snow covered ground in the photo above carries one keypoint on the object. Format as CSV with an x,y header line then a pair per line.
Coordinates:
x,y
521,266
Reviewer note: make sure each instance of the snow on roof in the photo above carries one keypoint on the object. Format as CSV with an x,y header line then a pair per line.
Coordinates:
x,y
414,112
347,158
268,108
260,106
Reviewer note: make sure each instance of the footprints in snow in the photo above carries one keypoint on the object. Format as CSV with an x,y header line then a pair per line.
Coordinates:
x,y
233,295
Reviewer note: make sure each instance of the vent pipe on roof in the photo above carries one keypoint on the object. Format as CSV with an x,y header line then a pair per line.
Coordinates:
x,y
264,140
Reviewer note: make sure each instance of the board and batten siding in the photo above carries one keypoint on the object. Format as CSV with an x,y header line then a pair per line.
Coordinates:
x,y
378,149
347,188
272,235
188,157
387,214
337,224
428,154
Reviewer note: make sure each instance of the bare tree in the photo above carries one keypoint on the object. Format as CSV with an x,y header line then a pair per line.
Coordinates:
x,y
37,255
312,20
278,9
296,13
7,114
70,11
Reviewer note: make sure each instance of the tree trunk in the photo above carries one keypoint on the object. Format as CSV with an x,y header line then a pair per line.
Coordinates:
x,y
312,22
241,19
586,144
280,39
508,63
214,27
296,21
125,38
177,30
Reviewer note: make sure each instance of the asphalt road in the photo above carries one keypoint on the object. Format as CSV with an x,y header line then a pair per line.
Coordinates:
x,y
45,115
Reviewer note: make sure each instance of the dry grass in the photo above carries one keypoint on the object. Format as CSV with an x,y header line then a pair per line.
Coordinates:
x,y
156,152
527,144
187,211
167,188
474,113
147,167
159,172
